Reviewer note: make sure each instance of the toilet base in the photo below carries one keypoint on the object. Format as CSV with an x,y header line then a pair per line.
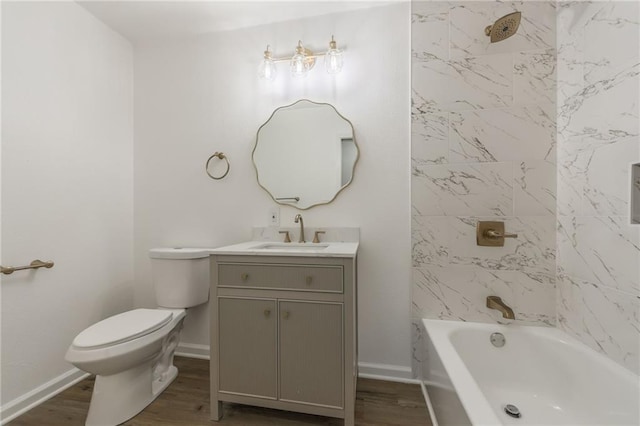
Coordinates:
x,y
119,397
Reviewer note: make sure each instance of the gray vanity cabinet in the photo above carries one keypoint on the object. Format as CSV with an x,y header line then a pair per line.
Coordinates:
x,y
310,348
248,333
283,334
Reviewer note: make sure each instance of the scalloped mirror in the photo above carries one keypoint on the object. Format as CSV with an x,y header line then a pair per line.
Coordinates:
x,y
305,154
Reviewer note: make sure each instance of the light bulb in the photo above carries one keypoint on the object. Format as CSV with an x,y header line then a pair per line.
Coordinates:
x,y
267,68
333,58
299,62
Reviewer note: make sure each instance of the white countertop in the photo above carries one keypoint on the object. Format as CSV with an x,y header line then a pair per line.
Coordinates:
x,y
266,248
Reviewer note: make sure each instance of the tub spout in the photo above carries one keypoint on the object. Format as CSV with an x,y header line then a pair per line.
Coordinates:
x,y
494,302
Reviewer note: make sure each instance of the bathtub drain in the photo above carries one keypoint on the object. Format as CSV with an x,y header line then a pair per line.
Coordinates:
x,y
497,340
512,410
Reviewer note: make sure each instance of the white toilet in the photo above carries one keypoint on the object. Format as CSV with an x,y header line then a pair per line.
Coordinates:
x,y
131,353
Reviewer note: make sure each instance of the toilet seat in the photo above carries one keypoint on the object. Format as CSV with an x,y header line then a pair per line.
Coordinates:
x,y
122,328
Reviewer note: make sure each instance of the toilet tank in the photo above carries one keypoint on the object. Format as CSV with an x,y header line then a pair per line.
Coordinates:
x,y
180,276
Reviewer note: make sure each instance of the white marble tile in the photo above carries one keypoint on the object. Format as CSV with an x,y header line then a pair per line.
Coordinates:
x,y
606,190
460,292
469,19
534,77
463,189
604,111
448,241
418,355
598,125
429,31
635,195
466,83
569,72
534,189
421,105
532,252
573,15
429,138
571,175
569,192
429,240
597,38
613,35
505,134
593,176
601,250
605,319
570,49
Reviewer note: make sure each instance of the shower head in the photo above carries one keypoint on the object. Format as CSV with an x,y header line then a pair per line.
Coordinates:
x,y
504,27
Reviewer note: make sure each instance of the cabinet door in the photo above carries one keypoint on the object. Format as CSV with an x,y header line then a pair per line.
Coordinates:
x,y
247,346
311,357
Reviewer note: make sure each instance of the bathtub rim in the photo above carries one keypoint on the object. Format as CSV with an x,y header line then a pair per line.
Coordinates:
x,y
473,400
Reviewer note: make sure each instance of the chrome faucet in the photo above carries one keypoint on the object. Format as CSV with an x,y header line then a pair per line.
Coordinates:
x,y
297,219
494,302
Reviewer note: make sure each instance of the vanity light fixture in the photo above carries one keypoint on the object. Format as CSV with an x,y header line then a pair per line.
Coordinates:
x,y
302,61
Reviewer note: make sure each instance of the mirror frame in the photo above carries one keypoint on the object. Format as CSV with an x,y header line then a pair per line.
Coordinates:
x,y
353,169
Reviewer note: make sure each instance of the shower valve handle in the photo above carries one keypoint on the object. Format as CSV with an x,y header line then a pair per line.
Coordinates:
x,y
492,233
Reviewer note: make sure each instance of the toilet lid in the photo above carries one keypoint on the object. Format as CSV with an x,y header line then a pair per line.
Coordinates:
x,y
122,328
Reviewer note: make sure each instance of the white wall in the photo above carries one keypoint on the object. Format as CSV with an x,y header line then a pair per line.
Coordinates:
x,y
203,95
67,185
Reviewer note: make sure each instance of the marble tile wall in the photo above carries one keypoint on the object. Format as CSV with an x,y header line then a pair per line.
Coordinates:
x,y
483,148
598,265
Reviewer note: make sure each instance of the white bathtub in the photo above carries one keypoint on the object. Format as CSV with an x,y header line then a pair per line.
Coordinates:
x,y
551,377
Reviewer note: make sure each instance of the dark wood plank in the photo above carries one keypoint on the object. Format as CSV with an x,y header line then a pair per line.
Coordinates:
x,y
186,402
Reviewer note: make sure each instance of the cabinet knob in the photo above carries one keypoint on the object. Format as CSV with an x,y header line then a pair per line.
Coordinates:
x,y
309,279
285,314
267,312
244,276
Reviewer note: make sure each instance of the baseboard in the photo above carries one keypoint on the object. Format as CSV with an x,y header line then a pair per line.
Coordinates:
x,y
391,373
189,350
26,402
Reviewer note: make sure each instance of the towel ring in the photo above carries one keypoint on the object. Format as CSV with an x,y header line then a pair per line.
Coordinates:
x,y
221,156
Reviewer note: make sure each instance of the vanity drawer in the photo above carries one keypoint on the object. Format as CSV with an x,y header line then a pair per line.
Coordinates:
x,y
288,277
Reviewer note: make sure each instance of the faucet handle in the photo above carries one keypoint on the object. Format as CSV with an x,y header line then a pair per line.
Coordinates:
x,y
315,236
491,234
287,237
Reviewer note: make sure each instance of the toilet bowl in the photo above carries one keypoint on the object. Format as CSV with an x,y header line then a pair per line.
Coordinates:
x,y
131,353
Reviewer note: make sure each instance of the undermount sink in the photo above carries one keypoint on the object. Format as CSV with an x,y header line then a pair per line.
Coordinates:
x,y
292,246
271,248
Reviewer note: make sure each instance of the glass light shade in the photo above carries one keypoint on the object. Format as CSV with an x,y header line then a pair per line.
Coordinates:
x,y
299,65
333,61
333,58
267,69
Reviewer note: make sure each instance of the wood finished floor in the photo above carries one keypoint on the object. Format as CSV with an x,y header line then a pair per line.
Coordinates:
x,y
186,402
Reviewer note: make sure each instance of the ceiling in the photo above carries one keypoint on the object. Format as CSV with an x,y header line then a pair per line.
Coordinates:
x,y
149,20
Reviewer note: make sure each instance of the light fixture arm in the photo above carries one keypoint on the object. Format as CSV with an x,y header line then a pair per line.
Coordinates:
x,y
308,54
